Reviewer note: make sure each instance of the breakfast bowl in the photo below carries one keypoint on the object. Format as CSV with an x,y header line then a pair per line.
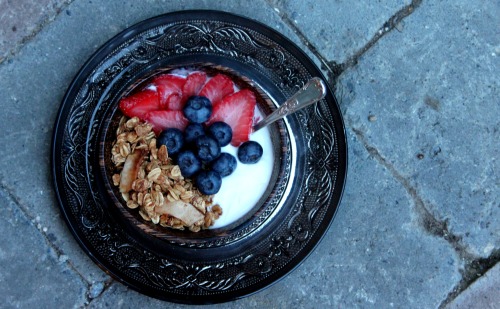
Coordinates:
x,y
249,196
257,239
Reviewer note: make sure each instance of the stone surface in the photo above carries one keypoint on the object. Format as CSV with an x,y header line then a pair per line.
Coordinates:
x,y
482,294
434,92
338,29
21,19
31,269
421,108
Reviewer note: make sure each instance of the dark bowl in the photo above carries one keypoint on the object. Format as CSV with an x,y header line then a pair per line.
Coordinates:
x,y
268,203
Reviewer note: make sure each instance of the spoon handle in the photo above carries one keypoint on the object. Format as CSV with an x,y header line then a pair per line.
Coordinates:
x,y
313,91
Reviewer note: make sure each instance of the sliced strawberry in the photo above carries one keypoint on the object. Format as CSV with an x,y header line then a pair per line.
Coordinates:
x,y
162,120
169,89
217,88
193,85
174,102
140,103
237,110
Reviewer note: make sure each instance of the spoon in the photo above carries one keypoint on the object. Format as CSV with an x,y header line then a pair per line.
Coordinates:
x,y
313,91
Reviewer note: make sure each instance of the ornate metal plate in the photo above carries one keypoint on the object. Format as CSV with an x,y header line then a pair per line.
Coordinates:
x,y
184,268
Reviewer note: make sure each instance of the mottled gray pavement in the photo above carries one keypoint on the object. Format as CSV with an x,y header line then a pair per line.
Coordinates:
x,y
419,89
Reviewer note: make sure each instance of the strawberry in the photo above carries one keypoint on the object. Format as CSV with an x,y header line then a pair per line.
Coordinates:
x,y
193,85
217,88
140,103
237,111
169,89
162,120
174,102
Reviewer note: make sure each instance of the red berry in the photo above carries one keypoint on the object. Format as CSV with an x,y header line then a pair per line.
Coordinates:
x,y
217,88
193,85
162,120
169,89
237,111
140,103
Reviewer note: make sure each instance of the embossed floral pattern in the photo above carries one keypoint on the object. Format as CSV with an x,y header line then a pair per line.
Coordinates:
x,y
85,207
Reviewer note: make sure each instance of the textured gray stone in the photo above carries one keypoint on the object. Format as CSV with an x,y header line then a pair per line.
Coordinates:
x,y
482,294
434,91
31,270
425,97
339,28
372,256
21,19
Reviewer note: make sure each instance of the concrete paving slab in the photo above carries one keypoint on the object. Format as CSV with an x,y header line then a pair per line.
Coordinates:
x,y
427,99
22,19
405,102
31,270
338,29
372,256
482,294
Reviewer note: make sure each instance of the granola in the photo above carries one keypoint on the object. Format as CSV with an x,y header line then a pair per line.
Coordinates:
x,y
149,181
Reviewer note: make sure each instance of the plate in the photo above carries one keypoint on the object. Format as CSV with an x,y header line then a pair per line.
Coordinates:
x,y
221,264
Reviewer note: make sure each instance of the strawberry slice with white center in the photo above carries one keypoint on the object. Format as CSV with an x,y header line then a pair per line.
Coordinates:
x,y
169,89
193,85
237,110
140,103
217,88
161,120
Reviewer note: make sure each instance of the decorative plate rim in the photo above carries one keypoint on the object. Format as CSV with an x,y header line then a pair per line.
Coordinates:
x,y
194,282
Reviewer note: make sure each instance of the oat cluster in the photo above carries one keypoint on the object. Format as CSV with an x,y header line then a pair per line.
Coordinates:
x,y
148,180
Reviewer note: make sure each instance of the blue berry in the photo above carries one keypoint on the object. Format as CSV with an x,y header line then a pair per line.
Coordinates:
x,y
222,132
208,182
193,131
250,152
173,139
197,109
225,164
188,163
206,148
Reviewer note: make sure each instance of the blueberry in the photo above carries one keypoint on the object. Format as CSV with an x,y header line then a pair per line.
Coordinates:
x,y
206,148
188,163
193,131
222,132
250,152
208,182
197,109
173,139
225,164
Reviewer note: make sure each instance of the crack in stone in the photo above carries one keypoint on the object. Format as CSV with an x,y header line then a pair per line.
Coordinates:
x,y
58,251
473,270
37,29
334,69
393,22
430,224
474,267
89,300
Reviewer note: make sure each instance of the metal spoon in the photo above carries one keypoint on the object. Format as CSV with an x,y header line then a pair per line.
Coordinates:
x,y
313,91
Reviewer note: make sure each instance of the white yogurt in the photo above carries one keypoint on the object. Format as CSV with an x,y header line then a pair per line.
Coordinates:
x,y
241,190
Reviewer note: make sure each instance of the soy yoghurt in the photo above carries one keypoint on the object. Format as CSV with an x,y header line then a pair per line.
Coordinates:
x,y
241,190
